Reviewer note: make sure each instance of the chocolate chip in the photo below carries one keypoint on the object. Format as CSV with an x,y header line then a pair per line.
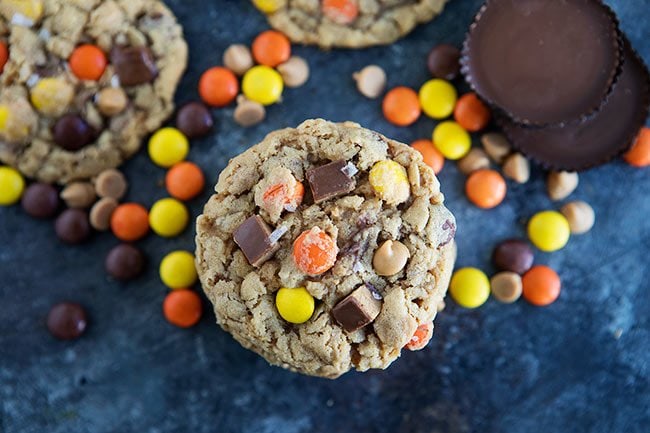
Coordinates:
x,y
194,120
72,133
444,62
72,226
331,180
134,65
357,310
124,262
40,200
513,255
67,321
252,236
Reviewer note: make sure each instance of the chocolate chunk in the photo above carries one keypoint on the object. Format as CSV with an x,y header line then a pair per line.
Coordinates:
x,y
331,180
595,141
444,62
72,133
72,226
253,237
134,65
194,120
357,309
124,262
513,255
67,321
40,200
543,62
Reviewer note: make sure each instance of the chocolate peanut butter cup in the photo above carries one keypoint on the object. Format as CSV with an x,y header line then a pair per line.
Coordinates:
x,y
543,62
595,141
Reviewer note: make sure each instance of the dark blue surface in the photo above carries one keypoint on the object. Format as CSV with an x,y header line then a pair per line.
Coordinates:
x,y
497,369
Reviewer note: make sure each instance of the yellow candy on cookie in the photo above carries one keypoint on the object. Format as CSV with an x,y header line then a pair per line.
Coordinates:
x,y
390,182
52,96
31,10
269,6
294,305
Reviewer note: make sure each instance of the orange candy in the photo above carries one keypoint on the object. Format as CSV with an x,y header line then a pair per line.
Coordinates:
x,y
421,337
639,154
88,62
340,11
4,56
184,181
541,285
218,87
471,113
401,106
271,48
314,251
278,192
430,154
182,308
130,222
485,188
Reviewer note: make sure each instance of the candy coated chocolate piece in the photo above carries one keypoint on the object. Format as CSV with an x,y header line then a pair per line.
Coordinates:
x,y
134,65
595,141
124,262
543,62
72,133
253,237
357,310
67,321
444,62
194,120
331,180
513,255
40,200
72,226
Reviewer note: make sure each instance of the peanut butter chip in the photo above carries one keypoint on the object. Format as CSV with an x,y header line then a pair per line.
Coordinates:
x,y
561,184
111,101
506,287
496,145
390,258
79,195
248,113
517,168
100,214
238,58
111,183
371,81
475,160
580,215
295,71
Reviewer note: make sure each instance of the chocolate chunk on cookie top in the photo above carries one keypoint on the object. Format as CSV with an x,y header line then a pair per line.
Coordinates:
x,y
84,83
325,248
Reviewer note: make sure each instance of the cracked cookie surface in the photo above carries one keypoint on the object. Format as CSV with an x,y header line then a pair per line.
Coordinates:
x,y
356,219
146,56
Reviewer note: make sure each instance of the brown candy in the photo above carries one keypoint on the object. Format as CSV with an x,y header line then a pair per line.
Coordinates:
x,y
134,65
72,226
101,212
357,310
124,262
72,133
194,120
40,200
331,180
253,237
513,255
111,183
444,62
67,321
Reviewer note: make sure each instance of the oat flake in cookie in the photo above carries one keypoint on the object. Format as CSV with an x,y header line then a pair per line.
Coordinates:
x,y
285,248
56,127
349,23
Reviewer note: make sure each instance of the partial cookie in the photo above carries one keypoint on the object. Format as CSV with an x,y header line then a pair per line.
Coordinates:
x,y
350,23
325,247
56,127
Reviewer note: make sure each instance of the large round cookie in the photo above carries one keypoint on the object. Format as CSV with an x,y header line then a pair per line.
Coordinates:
x,y
146,56
333,162
363,23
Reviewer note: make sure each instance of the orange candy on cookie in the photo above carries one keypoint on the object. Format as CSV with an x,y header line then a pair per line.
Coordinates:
x,y
421,337
279,193
639,154
4,56
340,11
314,251
130,222
218,86
471,113
271,48
401,106
430,154
486,188
88,62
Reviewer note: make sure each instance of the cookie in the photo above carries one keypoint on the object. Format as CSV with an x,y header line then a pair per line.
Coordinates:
x,y
349,23
86,80
325,247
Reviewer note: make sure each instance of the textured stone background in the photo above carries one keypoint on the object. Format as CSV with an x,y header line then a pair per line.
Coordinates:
x,y
498,369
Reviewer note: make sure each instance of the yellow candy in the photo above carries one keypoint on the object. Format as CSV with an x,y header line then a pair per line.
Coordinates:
x,y
12,186
51,96
4,117
31,9
451,140
177,270
262,84
469,287
438,98
294,305
168,146
549,231
269,6
390,182
168,217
